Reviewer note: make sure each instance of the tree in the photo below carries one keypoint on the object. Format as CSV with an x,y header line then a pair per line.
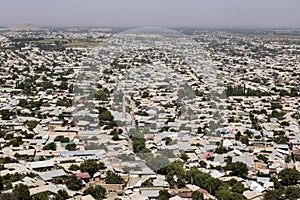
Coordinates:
x,y
74,183
175,169
63,85
50,146
31,124
238,188
98,192
197,195
21,192
164,195
147,183
289,176
277,184
221,150
91,166
61,138
213,185
115,137
64,102
102,95
273,195
41,196
156,162
238,169
74,167
61,195
245,139
292,193
5,114
112,178
106,116
71,147
184,157
1,183
262,158
167,140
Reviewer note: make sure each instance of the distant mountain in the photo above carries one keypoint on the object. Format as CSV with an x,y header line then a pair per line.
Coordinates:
x,y
25,27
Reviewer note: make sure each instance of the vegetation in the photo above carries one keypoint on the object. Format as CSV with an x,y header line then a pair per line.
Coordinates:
x,y
102,94
61,138
50,146
238,169
31,124
197,195
74,183
147,183
71,147
74,167
289,176
164,195
112,178
91,166
20,192
98,192
289,193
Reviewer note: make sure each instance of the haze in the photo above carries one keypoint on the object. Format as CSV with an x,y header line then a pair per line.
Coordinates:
x,y
196,13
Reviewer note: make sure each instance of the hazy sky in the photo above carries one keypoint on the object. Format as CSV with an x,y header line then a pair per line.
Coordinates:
x,y
202,13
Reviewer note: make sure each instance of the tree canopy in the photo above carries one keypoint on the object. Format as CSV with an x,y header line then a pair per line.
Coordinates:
x,y
98,192
289,176
91,166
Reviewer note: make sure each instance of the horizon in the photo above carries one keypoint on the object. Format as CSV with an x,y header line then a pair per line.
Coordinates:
x,y
145,26
137,13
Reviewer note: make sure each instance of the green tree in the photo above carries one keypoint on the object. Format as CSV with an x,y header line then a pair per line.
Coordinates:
x,y
98,192
197,195
262,158
292,193
167,140
184,157
61,138
21,192
61,195
277,184
106,116
50,146
5,114
63,85
41,196
147,183
64,102
289,176
238,169
273,195
71,147
115,137
74,183
226,194
164,195
156,162
238,188
102,95
31,124
1,183
175,169
245,139
112,178
91,166
74,167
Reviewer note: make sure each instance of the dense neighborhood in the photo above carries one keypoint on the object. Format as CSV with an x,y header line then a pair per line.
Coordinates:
x,y
90,113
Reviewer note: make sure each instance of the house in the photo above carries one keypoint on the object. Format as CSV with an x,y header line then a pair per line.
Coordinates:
x,y
244,159
40,164
49,175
